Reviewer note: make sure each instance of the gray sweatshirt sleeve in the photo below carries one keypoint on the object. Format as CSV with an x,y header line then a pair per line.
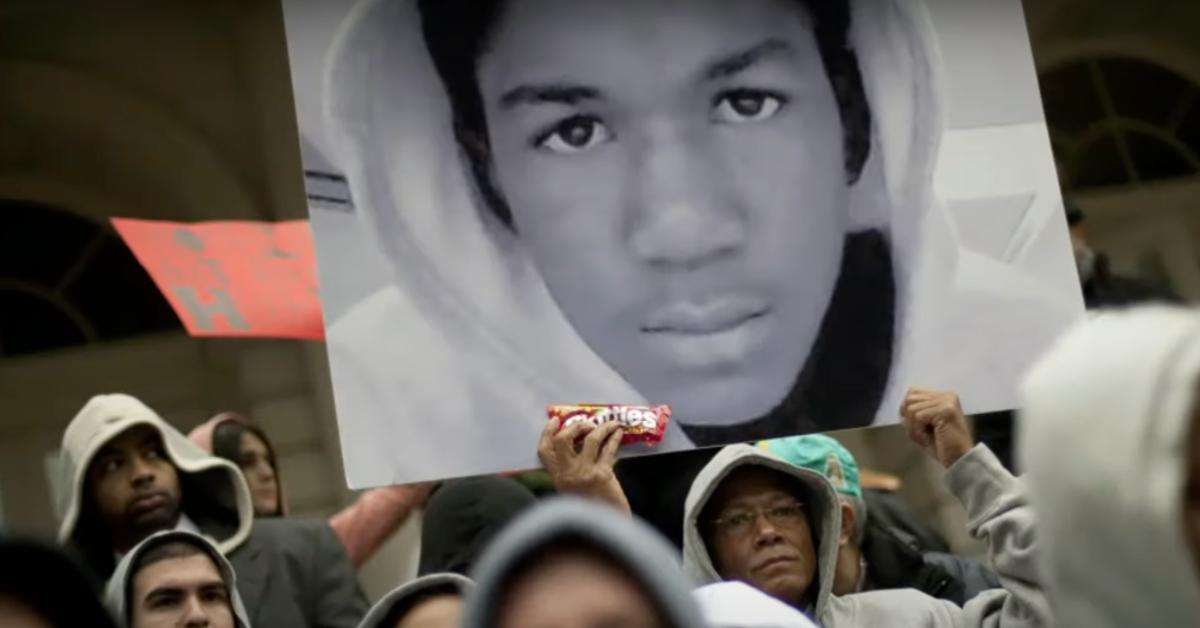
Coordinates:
x,y
999,514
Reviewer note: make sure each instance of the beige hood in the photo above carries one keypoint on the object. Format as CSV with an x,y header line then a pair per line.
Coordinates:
x,y
215,496
1103,437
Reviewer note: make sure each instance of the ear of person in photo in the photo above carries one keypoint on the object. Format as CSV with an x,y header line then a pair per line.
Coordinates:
x,y
1109,436
728,209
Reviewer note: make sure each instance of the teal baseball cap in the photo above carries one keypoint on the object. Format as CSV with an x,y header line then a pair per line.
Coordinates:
x,y
822,454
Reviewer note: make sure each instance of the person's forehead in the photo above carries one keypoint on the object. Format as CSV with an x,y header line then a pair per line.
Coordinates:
x,y
751,483
132,438
187,572
543,39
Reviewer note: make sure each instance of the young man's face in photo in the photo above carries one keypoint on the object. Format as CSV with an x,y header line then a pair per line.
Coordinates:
x,y
676,171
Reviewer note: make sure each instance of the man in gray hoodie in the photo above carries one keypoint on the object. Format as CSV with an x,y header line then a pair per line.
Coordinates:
x,y
753,517
175,578
128,474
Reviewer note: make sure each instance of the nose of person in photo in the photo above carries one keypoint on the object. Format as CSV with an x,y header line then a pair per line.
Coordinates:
x,y
678,172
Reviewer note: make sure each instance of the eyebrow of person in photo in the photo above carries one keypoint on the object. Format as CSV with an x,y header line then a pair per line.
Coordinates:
x,y
680,175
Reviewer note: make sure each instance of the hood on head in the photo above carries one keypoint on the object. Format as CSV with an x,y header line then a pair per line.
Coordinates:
x,y
120,585
627,542
1103,437
824,513
410,592
462,517
215,496
388,114
204,434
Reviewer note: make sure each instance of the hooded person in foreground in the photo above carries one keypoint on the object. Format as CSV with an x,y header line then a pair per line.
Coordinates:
x,y
725,207
129,474
1109,435
431,601
570,563
363,526
175,578
41,587
758,519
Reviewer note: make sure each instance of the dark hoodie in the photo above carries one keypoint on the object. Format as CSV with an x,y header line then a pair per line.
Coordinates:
x,y
463,516
51,585
627,542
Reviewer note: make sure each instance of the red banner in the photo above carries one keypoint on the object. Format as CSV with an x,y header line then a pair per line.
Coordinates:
x,y
233,279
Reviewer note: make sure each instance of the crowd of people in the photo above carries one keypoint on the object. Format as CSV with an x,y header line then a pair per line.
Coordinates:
x,y
1102,530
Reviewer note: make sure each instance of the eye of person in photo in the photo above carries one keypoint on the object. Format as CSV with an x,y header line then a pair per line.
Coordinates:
x,y
681,176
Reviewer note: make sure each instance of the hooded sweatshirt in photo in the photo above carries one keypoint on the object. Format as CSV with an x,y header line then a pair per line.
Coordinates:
x,y
997,514
290,572
411,592
448,371
628,542
363,526
120,586
1103,437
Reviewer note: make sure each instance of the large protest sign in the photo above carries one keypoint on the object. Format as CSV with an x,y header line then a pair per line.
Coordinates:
x,y
232,279
773,215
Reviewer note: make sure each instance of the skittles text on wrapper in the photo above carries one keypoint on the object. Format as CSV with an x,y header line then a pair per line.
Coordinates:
x,y
641,424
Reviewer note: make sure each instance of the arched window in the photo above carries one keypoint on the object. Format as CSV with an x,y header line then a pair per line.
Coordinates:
x,y
65,280
1117,121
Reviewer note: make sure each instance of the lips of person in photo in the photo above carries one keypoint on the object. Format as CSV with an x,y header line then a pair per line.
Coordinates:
x,y
709,332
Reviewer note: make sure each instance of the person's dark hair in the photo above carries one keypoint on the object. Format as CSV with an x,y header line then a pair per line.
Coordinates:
x,y
227,444
170,550
456,34
51,584
403,606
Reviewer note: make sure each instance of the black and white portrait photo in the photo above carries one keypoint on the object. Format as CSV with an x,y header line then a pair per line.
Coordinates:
x,y
773,215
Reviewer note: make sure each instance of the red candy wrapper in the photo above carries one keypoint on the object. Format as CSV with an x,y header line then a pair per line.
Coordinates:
x,y
641,424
